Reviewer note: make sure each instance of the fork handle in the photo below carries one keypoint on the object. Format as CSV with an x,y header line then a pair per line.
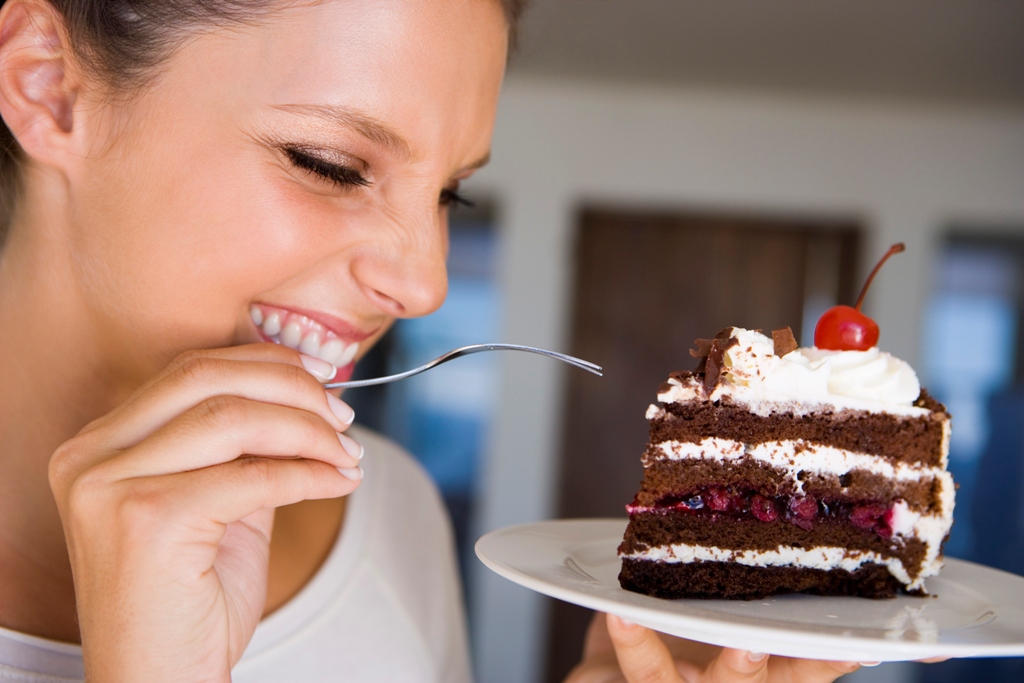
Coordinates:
x,y
463,351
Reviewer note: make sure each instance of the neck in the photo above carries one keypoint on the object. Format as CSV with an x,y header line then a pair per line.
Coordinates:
x,y
52,385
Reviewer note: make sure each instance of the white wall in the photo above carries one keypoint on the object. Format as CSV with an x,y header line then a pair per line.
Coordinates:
x,y
907,171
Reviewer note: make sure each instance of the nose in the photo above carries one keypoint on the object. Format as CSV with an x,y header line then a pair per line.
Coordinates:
x,y
405,274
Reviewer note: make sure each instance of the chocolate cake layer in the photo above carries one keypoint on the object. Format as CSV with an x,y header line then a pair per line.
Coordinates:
x,y
727,580
653,530
668,477
899,438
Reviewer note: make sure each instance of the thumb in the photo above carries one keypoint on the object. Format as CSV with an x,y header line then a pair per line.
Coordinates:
x,y
641,654
737,666
598,644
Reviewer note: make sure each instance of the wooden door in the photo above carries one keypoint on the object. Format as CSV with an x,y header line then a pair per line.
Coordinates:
x,y
646,286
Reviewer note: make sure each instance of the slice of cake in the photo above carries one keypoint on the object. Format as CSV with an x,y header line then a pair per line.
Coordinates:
x,y
776,469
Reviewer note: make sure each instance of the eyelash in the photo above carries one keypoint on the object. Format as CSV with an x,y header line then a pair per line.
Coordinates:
x,y
343,176
451,197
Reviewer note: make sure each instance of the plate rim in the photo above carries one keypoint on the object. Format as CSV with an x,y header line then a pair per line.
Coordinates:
x,y
846,647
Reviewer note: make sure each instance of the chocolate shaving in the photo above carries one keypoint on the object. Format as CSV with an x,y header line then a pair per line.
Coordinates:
x,y
715,361
709,347
784,341
703,348
725,334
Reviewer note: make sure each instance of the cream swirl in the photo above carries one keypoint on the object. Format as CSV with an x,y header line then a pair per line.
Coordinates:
x,y
812,374
872,375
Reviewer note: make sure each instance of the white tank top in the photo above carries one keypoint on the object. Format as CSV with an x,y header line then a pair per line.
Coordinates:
x,y
385,606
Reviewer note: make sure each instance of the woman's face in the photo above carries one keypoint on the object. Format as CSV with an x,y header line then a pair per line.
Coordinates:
x,y
287,181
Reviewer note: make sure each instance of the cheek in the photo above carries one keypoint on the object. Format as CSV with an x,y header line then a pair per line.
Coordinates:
x,y
173,256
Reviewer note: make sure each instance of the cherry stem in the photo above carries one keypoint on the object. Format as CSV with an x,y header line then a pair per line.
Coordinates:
x,y
894,249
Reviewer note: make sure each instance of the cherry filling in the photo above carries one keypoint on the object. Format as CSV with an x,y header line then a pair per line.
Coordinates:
x,y
803,511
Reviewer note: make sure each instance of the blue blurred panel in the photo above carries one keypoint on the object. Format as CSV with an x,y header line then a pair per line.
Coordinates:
x,y
970,342
997,509
445,412
969,355
449,447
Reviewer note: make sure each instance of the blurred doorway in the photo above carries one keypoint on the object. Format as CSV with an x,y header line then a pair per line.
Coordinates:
x,y
647,285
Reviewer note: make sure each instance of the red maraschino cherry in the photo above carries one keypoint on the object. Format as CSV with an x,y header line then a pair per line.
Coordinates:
x,y
842,328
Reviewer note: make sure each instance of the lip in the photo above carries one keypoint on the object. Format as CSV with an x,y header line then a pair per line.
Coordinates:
x,y
343,329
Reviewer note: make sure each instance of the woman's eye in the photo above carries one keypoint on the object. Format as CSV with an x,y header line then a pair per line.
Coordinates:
x,y
451,197
342,176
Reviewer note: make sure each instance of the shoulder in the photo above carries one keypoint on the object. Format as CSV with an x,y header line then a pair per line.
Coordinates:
x,y
408,546
399,505
393,474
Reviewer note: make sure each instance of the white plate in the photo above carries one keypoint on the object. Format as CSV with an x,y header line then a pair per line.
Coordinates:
x,y
975,612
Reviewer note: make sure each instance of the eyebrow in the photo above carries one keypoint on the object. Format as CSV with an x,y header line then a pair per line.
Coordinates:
x,y
479,163
367,126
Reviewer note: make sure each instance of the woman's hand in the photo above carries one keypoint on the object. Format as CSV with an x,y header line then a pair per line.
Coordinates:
x,y
619,652
168,504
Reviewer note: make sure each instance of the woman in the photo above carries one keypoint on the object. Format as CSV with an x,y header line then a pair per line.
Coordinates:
x,y
186,181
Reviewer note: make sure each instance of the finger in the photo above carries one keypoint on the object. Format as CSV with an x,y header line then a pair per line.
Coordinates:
x,y
209,499
203,376
642,656
224,428
598,643
736,666
599,664
807,670
262,352
591,671
698,654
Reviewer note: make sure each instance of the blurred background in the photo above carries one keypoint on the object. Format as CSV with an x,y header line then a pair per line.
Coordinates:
x,y
665,168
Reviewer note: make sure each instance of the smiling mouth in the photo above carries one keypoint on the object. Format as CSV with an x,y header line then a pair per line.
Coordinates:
x,y
305,335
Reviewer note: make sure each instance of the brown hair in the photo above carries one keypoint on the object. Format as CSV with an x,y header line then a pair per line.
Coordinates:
x,y
125,40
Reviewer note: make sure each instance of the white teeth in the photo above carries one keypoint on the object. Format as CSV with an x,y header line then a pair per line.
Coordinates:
x,y
311,344
272,325
291,335
347,355
331,350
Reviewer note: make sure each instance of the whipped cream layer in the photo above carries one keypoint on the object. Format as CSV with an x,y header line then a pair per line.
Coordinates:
x,y
825,558
806,379
794,456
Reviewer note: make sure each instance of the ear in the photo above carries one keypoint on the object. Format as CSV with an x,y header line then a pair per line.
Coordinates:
x,y
37,84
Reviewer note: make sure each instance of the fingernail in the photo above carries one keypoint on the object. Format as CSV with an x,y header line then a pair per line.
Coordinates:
x,y
351,446
870,663
756,656
320,369
341,409
353,473
625,622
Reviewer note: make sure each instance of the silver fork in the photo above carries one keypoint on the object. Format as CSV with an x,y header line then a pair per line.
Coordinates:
x,y
465,351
